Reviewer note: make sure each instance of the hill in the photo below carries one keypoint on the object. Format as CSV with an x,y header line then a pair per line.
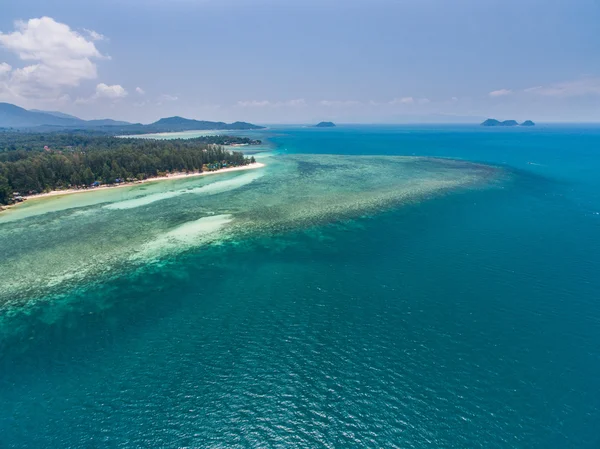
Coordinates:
x,y
325,125
12,116
96,122
56,114
106,122
183,124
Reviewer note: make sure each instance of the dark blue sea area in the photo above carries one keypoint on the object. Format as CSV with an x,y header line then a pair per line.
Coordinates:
x,y
469,319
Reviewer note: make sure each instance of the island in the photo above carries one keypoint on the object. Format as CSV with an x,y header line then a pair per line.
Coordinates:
x,y
52,163
494,122
325,125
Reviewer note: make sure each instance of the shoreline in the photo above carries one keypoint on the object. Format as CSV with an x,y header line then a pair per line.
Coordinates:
x,y
170,176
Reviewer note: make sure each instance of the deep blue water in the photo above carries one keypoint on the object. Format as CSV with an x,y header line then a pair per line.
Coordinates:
x,y
467,321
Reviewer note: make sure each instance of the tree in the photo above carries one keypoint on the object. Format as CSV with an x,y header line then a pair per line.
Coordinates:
x,y
82,159
5,190
88,176
75,179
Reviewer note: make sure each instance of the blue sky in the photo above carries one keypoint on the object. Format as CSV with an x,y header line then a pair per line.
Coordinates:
x,y
287,61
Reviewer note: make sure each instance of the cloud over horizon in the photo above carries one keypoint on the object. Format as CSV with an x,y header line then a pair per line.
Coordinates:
x,y
403,100
500,93
267,103
574,88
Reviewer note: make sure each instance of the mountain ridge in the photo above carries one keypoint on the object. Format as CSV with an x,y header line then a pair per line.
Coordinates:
x,y
55,113
12,116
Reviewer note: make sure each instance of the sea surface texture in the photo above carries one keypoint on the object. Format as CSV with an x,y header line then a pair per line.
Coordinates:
x,y
371,286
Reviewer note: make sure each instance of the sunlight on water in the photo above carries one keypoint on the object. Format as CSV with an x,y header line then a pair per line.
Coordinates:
x,y
57,243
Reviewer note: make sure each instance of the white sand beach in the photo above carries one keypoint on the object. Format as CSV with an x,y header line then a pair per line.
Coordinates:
x,y
170,176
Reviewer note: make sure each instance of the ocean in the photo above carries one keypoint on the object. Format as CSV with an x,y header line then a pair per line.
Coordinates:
x,y
372,286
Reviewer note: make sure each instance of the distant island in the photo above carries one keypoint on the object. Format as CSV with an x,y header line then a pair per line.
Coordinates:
x,y
15,117
172,124
494,122
325,125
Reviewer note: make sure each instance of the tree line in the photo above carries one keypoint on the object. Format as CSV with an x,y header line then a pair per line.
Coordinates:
x,y
35,163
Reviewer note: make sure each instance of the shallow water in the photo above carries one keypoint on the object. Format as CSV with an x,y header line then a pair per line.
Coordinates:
x,y
94,234
334,300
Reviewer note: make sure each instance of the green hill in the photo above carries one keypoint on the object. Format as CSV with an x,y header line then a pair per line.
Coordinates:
x,y
183,124
12,116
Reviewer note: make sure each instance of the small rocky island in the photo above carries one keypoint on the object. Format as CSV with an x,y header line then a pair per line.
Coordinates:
x,y
325,125
494,122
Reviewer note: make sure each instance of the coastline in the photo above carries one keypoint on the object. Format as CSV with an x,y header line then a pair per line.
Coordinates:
x,y
177,175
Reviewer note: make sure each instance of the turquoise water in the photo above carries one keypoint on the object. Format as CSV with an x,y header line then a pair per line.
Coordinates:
x,y
327,300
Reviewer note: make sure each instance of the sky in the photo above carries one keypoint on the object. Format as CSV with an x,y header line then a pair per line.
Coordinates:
x,y
302,61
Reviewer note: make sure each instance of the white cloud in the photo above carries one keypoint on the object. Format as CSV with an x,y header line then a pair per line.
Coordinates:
x,y
140,91
500,93
575,88
454,98
532,89
113,92
339,103
167,97
95,36
266,103
424,100
4,68
254,103
403,100
104,91
296,102
59,57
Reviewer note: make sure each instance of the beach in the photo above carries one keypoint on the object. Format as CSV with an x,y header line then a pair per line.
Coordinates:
x,y
170,176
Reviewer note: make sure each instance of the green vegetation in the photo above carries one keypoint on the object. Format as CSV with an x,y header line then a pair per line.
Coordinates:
x,y
35,163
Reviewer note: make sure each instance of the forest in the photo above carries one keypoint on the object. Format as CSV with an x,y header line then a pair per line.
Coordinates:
x,y
36,163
